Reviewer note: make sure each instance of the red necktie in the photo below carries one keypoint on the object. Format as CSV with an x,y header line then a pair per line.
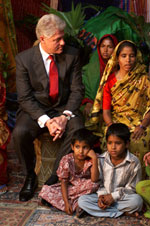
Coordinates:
x,y
53,80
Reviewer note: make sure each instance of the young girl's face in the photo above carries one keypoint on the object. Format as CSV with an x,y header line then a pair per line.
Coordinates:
x,y
116,147
81,149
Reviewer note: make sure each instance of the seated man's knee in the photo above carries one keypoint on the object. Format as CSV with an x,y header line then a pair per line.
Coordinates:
x,y
20,132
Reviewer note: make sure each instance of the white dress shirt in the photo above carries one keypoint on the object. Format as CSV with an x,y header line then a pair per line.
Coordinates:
x,y
45,56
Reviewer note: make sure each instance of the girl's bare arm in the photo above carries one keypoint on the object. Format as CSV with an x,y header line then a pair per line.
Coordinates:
x,y
94,167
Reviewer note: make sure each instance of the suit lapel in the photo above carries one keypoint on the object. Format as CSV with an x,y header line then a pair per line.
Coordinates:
x,y
39,68
61,65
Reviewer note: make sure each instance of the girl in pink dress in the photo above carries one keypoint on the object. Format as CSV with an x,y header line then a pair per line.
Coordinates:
x,y
78,174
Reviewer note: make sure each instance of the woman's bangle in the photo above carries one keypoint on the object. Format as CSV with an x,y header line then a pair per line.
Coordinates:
x,y
142,127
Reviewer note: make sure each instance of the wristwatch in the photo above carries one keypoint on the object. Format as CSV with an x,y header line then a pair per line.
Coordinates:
x,y
67,116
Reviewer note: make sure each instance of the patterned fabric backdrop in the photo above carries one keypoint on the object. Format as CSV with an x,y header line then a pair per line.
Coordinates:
x,y
8,47
26,35
140,8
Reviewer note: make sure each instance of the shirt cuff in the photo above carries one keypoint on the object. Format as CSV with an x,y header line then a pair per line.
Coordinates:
x,y
42,120
102,191
67,112
115,195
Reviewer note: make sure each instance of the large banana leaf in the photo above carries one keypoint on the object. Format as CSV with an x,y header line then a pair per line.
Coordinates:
x,y
139,25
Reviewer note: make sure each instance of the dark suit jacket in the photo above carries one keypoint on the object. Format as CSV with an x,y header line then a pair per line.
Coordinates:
x,y
33,83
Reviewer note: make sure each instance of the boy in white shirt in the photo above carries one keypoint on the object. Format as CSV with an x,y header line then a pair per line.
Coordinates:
x,y
120,171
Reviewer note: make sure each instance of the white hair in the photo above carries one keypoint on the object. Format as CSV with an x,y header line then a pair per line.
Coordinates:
x,y
48,25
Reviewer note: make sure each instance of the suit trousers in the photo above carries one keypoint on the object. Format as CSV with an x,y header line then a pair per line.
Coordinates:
x,y
27,129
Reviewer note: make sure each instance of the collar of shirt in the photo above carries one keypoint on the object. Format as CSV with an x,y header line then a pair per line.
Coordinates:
x,y
45,58
43,53
106,158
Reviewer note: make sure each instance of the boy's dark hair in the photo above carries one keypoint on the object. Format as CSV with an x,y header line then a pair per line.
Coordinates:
x,y
84,135
120,130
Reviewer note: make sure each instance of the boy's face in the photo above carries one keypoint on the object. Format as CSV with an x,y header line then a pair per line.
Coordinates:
x,y
81,149
116,147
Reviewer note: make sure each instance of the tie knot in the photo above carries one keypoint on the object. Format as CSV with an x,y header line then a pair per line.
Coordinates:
x,y
51,57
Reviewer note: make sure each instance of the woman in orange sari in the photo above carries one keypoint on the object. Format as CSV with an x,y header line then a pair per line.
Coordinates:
x,y
4,138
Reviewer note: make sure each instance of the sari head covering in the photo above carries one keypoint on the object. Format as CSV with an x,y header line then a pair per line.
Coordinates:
x,y
101,61
128,81
93,71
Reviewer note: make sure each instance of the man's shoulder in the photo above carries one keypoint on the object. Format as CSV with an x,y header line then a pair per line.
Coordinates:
x,y
27,52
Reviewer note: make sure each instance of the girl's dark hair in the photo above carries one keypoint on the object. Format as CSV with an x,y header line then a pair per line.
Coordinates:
x,y
84,135
120,130
124,44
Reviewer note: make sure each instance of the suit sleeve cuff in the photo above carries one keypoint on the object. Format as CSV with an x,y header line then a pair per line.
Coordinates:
x,y
42,120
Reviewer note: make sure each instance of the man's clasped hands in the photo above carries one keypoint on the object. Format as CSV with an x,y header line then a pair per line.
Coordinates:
x,y
56,126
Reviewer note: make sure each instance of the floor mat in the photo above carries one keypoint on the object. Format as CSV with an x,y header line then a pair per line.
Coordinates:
x,y
13,214
52,217
33,213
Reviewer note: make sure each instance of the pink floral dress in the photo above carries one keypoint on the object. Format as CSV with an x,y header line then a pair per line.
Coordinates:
x,y
79,183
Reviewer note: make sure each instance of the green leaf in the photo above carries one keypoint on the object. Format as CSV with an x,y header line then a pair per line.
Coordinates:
x,y
28,20
74,20
148,170
95,7
4,74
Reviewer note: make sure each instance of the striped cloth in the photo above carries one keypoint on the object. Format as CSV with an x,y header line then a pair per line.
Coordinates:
x,y
140,8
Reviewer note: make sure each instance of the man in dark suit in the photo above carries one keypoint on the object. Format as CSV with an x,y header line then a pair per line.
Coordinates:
x,y
39,109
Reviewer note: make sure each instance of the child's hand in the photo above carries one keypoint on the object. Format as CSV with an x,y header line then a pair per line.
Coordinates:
x,y
101,203
68,208
147,159
108,199
91,154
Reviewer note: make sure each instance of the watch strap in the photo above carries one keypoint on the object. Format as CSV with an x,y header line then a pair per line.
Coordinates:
x,y
67,116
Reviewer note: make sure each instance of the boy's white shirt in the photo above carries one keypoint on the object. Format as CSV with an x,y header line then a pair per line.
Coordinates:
x,y
121,179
